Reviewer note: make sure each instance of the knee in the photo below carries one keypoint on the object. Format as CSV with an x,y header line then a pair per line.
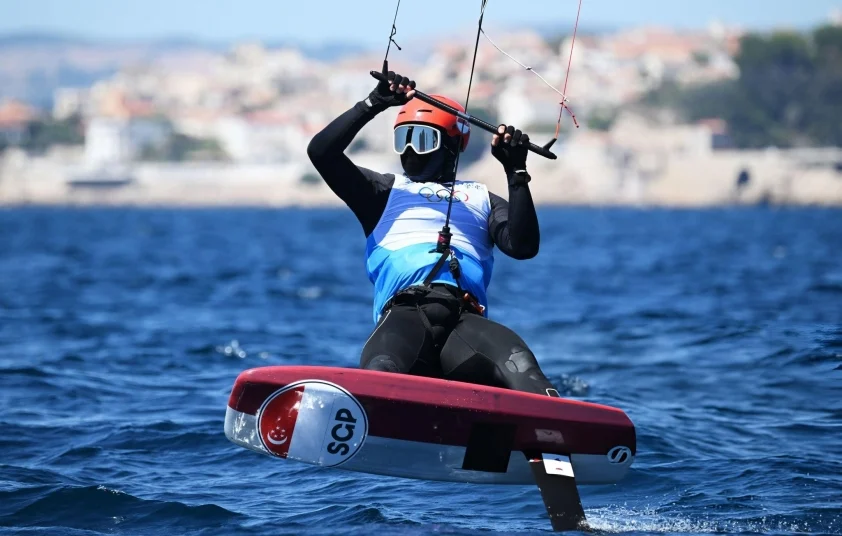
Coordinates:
x,y
522,373
520,360
382,363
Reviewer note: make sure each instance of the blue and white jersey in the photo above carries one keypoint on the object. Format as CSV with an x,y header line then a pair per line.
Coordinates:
x,y
400,252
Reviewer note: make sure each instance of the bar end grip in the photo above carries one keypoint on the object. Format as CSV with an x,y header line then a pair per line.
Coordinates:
x,y
543,151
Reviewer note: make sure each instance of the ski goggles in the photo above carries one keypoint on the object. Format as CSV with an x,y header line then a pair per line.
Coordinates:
x,y
422,138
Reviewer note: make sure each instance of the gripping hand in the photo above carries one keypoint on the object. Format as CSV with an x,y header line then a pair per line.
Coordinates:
x,y
396,92
509,146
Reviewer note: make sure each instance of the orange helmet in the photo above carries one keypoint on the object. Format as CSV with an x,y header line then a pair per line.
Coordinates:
x,y
418,111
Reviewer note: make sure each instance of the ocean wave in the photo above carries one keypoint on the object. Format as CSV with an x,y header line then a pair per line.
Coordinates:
x,y
100,508
119,348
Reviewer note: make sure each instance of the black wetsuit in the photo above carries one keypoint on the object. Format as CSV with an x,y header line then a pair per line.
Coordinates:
x,y
447,341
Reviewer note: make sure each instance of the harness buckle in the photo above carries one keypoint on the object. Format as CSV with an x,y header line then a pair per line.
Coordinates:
x,y
477,306
443,243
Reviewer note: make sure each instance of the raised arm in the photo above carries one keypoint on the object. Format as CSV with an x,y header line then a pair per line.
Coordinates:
x,y
363,190
514,224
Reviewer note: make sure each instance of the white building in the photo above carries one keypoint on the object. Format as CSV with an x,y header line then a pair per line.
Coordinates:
x,y
264,138
110,141
106,142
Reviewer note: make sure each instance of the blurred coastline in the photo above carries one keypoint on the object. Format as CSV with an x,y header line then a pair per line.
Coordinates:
x,y
780,178
184,125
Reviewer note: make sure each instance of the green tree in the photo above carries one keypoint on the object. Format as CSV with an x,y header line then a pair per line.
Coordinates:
x,y
824,114
601,119
775,73
789,92
701,57
180,147
311,179
44,133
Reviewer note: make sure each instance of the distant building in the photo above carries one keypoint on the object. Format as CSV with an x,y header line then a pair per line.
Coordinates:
x,y
14,118
267,137
641,134
106,142
121,128
529,106
196,123
618,68
119,140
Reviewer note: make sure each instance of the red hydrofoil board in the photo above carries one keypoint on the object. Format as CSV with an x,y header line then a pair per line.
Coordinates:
x,y
425,428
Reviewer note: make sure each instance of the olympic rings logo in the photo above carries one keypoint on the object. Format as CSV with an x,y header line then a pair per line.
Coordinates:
x,y
442,195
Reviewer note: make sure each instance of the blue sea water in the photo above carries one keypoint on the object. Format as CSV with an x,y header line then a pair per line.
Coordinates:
x,y
122,330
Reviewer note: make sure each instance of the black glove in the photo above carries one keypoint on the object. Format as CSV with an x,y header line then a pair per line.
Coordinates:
x,y
511,149
384,96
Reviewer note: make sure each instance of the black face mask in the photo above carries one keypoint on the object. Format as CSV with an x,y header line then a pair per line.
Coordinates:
x,y
432,167
422,167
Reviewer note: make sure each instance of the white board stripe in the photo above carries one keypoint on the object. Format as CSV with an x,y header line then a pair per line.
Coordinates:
x,y
430,461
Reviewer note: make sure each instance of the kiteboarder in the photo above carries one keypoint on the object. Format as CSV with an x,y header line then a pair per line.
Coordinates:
x,y
430,308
